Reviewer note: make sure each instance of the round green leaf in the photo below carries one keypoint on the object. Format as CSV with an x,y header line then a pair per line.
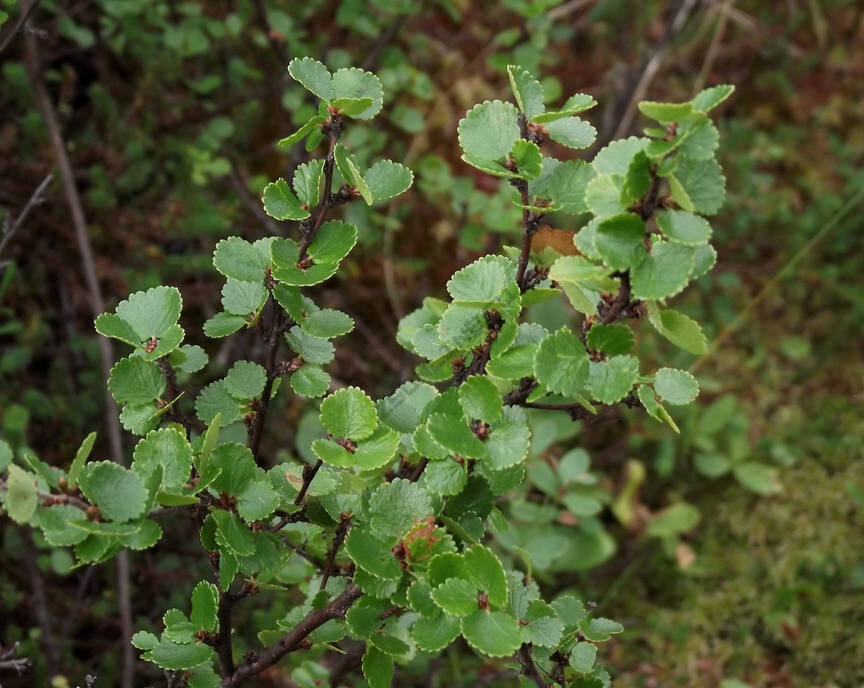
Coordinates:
x,y
21,495
245,380
676,387
495,634
118,492
489,130
611,380
684,227
166,449
281,203
561,363
664,272
456,596
348,413
240,260
387,179
150,313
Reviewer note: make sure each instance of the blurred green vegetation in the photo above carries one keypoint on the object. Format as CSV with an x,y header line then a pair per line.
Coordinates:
x,y
169,111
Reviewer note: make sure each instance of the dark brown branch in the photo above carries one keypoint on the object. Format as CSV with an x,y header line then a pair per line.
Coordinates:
x,y
35,199
335,129
338,539
22,21
272,338
97,306
295,639
529,668
309,473
222,644
621,301
418,471
39,602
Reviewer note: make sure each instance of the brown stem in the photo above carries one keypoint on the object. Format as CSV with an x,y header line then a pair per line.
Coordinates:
x,y
622,299
76,211
529,668
309,473
326,200
272,339
338,539
418,471
35,199
223,640
294,639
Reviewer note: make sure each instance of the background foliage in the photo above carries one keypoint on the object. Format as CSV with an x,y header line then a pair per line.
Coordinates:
x,y
169,111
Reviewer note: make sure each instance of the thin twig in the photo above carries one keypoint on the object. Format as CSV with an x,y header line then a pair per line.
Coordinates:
x,y
35,199
223,640
238,181
309,473
295,639
9,665
40,602
76,211
529,668
326,199
22,20
338,539
272,339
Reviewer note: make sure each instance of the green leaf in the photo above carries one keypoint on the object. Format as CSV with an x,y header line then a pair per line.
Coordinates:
x,y
286,255
349,413
308,181
509,439
579,102
700,140
456,596
351,173
351,106
258,501
21,495
757,477
664,272
245,380
603,195
484,280
189,358
78,462
677,387
673,520
112,325
489,166
572,132
240,260
703,182
611,380
544,627
527,90
480,399
231,533
684,227
600,629
582,657
620,241
617,156
528,158
489,130
484,569
144,640
561,363
351,82
454,434
327,323
281,203
387,179
679,329
377,668
243,298
205,601
371,554
151,313
314,76
223,324
234,467
649,400
313,124
403,409
665,112
333,242
168,451
563,184
176,657
495,634
445,477
614,339
395,507
433,634
214,399
709,98
310,381
313,349
679,195
117,491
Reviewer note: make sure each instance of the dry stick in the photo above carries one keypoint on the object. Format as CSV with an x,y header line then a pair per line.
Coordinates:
x,y
652,66
529,669
295,639
338,539
22,20
223,640
40,602
271,340
73,200
9,666
35,199
309,473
